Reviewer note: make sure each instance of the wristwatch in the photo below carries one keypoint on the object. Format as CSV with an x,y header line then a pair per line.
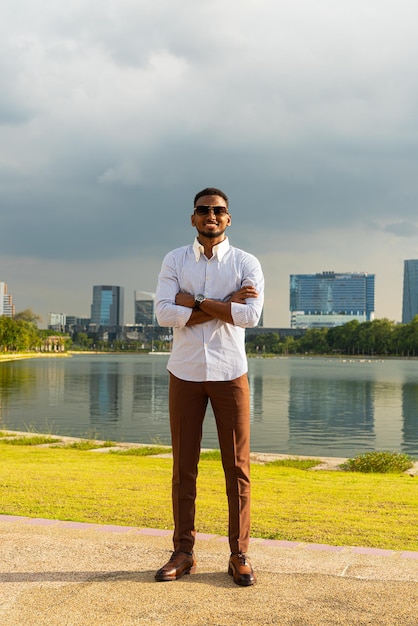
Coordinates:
x,y
198,299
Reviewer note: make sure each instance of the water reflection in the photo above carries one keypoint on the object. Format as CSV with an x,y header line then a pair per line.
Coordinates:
x,y
105,393
332,413
13,381
256,398
409,443
313,407
55,380
150,393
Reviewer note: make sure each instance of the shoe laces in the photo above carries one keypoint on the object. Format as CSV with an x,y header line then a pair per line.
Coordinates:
x,y
242,558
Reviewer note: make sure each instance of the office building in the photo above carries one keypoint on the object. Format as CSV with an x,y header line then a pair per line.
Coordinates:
x,y
6,302
57,321
330,299
107,307
144,308
410,291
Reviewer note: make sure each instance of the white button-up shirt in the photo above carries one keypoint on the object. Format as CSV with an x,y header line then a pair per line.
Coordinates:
x,y
212,350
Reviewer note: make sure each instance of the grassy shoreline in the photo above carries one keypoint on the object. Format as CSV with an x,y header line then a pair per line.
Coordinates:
x,y
18,356
288,502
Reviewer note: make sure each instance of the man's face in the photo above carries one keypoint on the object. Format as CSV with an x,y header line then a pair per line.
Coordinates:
x,y
211,225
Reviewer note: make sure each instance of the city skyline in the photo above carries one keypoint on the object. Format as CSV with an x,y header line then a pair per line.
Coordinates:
x,y
333,294
136,309
113,116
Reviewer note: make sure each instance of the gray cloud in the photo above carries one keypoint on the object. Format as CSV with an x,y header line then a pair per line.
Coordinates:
x,y
402,229
113,115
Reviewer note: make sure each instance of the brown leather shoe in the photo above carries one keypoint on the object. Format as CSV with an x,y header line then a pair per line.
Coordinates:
x,y
241,569
180,563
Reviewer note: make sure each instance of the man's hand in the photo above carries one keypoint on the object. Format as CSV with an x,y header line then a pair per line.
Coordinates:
x,y
248,291
185,299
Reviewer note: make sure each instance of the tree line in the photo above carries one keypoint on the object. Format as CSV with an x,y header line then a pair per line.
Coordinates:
x,y
381,337
21,333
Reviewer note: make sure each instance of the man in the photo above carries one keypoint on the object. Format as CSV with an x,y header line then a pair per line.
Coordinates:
x,y
209,292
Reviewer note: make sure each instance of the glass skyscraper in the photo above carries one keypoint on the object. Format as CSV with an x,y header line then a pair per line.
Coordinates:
x,y
144,308
107,307
410,291
330,299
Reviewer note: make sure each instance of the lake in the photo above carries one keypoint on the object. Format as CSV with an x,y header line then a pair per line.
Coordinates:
x,y
306,406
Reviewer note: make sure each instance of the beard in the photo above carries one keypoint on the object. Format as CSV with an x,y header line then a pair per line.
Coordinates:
x,y
212,234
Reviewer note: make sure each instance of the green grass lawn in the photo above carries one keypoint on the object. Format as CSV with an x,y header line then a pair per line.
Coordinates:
x,y
340,508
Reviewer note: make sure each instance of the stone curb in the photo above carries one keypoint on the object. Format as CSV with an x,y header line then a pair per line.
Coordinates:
x,y
156,532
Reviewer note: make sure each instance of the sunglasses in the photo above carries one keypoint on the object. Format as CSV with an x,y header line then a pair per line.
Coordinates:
x,y
203,209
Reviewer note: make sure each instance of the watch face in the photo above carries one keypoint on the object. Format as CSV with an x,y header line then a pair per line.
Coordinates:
x,y
200,298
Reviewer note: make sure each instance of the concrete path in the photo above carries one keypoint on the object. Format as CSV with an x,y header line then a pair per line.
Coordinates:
x,y
70,574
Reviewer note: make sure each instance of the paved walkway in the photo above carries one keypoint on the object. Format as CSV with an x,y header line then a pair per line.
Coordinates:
x,y
56,573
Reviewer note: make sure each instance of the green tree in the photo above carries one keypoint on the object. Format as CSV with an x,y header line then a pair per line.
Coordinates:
x,y
288,346
18,335
28,337
268,343
82,340
314,341
344,338
382,332
8,333
365,340
406,338
27,315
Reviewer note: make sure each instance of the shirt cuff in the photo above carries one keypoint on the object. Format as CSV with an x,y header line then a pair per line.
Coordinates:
x,y
239,314
184,313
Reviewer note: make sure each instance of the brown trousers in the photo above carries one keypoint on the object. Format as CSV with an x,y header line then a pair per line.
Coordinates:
x,y
230,402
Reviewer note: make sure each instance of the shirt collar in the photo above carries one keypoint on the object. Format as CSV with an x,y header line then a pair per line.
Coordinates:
x,y
219,250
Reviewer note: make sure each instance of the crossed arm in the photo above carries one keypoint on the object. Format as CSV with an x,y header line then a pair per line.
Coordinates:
x,y
214,309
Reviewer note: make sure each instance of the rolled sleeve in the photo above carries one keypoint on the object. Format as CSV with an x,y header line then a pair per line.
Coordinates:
x,y
167,312
246,315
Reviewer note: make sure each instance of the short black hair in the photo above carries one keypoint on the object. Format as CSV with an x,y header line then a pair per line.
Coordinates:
x,y
211,191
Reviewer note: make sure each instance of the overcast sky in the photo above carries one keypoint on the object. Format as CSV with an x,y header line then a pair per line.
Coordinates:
x,y
113,114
